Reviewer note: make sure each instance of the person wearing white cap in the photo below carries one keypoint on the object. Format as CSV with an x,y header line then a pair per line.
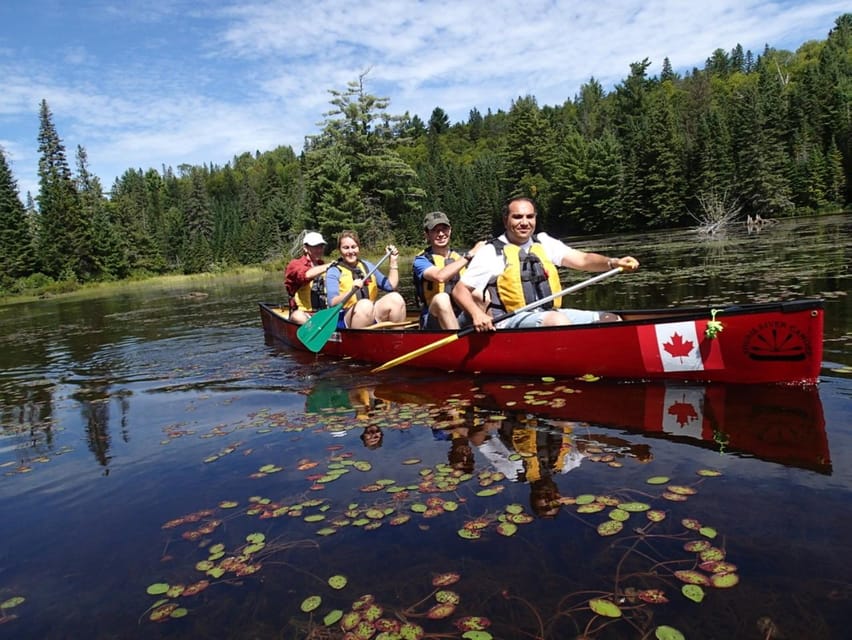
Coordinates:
x,y
302,279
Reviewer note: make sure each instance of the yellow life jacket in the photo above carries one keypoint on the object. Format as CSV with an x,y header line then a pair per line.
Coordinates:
x,y
527,277
425,290
542,452
348,275
311,295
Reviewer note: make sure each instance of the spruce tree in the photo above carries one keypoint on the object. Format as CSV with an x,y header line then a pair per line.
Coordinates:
x,y
63,242
17,258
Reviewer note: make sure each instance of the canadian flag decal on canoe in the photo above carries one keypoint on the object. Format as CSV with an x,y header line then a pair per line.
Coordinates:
x,y
679,346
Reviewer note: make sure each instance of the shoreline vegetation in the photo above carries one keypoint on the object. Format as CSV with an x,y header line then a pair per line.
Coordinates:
x,y
49,289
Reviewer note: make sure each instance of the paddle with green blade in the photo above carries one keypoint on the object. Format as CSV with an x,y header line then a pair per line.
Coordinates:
x,y
468,330
319,327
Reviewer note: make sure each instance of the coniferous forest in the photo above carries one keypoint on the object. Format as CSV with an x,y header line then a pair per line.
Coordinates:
x,y
766,134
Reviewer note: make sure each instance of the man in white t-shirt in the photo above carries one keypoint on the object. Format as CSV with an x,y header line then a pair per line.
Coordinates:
x,y
506,268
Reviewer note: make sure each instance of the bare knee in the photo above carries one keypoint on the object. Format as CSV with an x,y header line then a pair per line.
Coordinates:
x,y
608,316
554,319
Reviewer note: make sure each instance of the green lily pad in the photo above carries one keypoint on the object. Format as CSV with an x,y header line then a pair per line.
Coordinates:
x,y
157,589
724,580
665,632
693,591
634,507
13,602
337,582
311,603
332,617
605,608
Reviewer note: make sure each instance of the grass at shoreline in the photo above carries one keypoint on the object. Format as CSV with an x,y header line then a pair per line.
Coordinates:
x,y
68,289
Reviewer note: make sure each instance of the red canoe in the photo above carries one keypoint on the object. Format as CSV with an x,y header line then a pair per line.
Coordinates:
x,y
778,342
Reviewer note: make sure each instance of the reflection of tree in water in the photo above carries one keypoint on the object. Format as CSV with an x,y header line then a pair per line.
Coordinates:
x,y
94,404
26,418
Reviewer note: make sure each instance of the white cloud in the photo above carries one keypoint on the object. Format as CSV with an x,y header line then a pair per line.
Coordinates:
x,y
143,85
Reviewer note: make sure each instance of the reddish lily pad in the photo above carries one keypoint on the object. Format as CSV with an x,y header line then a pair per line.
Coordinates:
x,y
411,631
655,515
681,490
163,612
691,577
472,623
610,528
445,579
708,473
441,611
507,529
654,596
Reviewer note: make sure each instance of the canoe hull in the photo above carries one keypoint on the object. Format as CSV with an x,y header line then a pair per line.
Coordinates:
x,y
759,343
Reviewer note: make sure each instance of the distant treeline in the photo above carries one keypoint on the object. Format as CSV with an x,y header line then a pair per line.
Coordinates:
x,y
767,135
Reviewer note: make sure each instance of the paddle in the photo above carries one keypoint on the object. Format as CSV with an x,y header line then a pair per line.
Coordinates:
x,y
468,330
319,327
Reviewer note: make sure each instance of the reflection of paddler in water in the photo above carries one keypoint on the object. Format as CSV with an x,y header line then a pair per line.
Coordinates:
x,y
544,451
465,430
333,399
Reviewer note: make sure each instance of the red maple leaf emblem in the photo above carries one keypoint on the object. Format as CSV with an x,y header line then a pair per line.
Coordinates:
x,y
678,347
684,413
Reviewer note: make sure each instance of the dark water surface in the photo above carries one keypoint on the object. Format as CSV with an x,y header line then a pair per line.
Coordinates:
x,y
147,431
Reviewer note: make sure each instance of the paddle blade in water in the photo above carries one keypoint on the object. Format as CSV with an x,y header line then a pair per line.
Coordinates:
x,y
318,329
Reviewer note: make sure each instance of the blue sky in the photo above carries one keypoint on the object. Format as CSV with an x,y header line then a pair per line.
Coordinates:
x,y
171,82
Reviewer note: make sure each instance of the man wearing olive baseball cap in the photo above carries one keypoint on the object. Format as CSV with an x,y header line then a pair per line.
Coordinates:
x,y
436,271
304,279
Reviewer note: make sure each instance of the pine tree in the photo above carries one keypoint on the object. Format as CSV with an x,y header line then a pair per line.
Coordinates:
x,y
17,258
64,233
356,176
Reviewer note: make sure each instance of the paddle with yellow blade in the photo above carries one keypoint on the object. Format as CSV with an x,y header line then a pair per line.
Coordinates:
x,y
319,327
468,330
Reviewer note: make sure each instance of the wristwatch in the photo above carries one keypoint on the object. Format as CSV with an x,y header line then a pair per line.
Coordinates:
x,y
468,256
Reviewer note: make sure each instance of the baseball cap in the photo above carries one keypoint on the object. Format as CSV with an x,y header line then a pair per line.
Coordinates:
x,y
435,218
312,239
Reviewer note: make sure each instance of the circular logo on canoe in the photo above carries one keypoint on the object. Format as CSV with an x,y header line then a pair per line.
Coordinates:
x,y
777,340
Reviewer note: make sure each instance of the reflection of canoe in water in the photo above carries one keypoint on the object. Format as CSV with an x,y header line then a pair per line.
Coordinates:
x,y
770,422
758,343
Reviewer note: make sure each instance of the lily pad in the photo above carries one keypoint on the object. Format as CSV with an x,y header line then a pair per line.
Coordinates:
x,y
157,589
693,591
311,603
605,608
332,617
337,582
665,632
610,528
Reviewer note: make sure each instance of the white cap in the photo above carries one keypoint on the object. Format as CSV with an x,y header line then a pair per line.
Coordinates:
x,y
312,239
